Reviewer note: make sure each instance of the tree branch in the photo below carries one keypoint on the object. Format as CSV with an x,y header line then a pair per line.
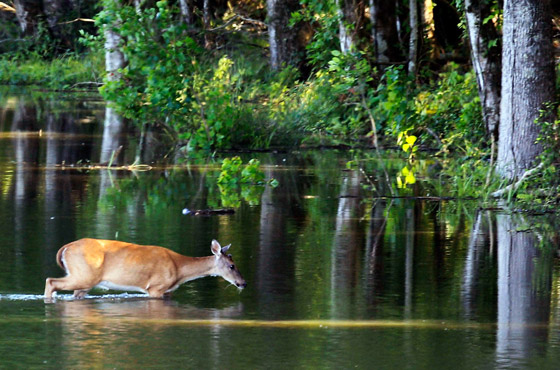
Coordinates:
x,y
514,186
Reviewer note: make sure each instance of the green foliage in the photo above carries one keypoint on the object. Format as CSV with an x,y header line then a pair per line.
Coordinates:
x,y
233,172
58,73
541,191
237,181
154,84
393,101
443,108
323,17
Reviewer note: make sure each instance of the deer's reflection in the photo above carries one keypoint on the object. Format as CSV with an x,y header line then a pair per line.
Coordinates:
x,y
96,333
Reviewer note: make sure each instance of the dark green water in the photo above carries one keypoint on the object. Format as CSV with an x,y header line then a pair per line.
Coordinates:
x,y
337,279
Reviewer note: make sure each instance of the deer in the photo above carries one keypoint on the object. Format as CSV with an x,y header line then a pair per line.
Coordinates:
x,y
117,265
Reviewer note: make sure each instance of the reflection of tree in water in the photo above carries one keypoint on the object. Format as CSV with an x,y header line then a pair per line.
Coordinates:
x,y
521,304
45,137
480,262
275,276
347,246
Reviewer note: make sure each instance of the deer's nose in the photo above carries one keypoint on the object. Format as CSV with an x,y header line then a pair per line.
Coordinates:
x,y
241,285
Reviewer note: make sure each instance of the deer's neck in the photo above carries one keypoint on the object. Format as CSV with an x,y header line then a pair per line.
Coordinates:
x,y
196,267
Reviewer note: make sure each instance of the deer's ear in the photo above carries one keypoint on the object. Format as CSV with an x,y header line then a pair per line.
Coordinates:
x,y
225,249
216,248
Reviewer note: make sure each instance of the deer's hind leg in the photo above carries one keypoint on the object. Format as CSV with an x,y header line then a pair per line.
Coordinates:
x,y
80,287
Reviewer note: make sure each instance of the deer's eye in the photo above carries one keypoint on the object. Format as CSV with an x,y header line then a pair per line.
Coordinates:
x,y
232,267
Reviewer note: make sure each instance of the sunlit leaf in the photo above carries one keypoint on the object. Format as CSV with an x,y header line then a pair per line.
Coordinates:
x,y
411,139
410,179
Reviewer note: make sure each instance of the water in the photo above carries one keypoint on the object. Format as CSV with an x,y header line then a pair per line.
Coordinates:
x,y
337,279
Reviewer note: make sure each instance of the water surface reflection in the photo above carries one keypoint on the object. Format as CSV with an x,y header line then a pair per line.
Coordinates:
x,y
319,247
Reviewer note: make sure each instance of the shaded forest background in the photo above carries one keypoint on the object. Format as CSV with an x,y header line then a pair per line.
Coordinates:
x,y
476,79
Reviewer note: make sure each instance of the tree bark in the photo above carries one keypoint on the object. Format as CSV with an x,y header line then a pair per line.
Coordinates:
x,y
429,28
528,80
27,13
282,37
486,57
383,15
348,13
413,39
114,57
186,11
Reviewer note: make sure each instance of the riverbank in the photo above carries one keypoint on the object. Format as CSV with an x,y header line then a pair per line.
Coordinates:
x,y
66,72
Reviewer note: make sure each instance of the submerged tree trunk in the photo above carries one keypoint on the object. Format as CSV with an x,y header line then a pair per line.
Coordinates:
x,y
282,37
486,59
383,14
527,82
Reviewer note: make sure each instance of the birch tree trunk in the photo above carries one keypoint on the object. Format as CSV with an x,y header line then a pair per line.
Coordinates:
x,y
348,19
528,80
282,37
413,40
486,59
383,15
114,57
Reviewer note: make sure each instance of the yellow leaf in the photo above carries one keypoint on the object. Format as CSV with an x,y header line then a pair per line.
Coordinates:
x,y
410,179
405,147
399,183
405,171
399,138
411,139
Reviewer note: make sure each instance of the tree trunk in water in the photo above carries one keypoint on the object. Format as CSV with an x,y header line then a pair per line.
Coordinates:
x,y
282,37
527,82
486,61
383,14
413,41
27,13
348,19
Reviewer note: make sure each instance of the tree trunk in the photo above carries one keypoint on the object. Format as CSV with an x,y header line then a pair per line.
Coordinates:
x,y
209,40
114,57
383,14
429,28
348,20
413,40
186,11
486,60
527,82
27,13
282,37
